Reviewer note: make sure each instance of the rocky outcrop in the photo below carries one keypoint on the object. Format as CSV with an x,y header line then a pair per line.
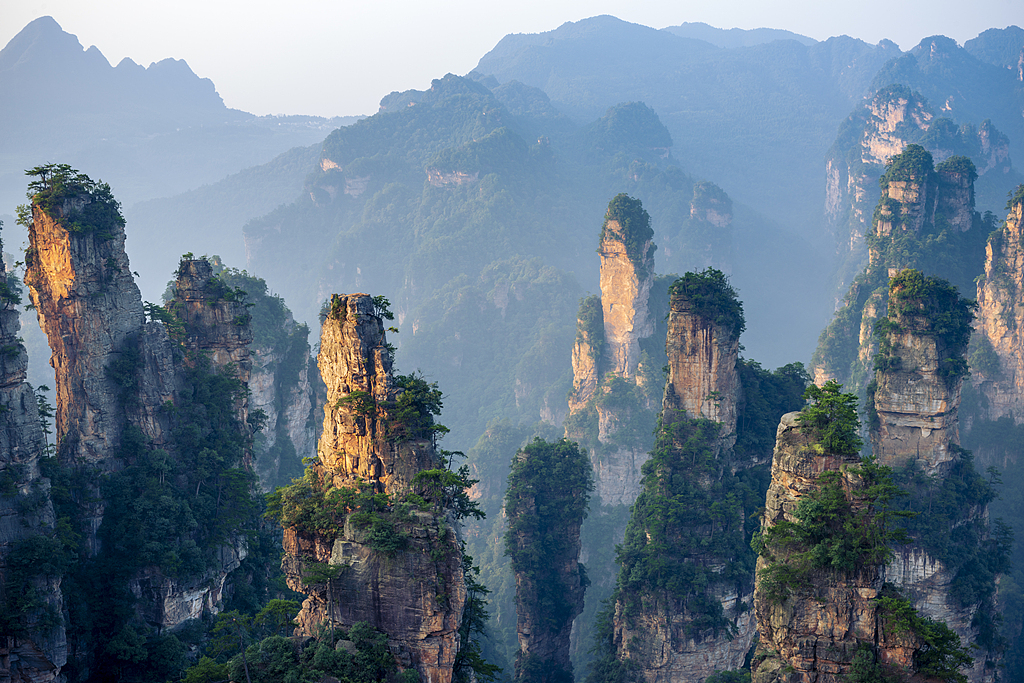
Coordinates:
x,y
702,355
668,634
813,631
32,648
607,355
917,394
1000,377
413,590
119,380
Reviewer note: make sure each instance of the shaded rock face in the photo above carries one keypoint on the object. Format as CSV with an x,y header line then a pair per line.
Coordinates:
x,y
1001,322
92,313
813,634
625,288
917,407
416,594
702,380
658,634
656,640
414,599
39,652
288,417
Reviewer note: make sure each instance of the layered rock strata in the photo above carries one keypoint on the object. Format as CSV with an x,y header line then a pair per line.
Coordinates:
x,y
1001,321
610,330
813,633
657,630
414,593
115,371
33,648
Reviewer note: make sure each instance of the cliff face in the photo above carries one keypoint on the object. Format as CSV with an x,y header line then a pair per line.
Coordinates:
x,y
1001,322
702,356
120,384
32,648
413,590
814,632
673,636
917,400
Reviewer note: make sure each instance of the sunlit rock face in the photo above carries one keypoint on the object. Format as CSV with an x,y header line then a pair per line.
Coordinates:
x,y
415,595
39,652
1001,322
625,288
90,308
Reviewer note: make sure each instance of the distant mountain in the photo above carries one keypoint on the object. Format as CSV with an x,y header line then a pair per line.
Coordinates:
x,y
149,132
735,37
757,120
999,46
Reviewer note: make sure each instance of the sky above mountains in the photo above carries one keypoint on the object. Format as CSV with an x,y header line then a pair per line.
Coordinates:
x,y
339,58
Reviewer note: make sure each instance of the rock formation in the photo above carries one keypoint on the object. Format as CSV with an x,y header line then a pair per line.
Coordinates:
x,y
673,632
608,361
922,205
921,369
399,572
1000,376
126,395
548,492
880,130
812,630
34,644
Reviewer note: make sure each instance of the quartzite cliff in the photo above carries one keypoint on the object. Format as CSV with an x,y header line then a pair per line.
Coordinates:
x,y
388,564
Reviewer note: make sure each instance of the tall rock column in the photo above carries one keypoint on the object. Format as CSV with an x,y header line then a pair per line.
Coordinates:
x,y
548,491
33,646
703,341
91,311
393,566
1001,319
611,385
627,272
921,369
681,608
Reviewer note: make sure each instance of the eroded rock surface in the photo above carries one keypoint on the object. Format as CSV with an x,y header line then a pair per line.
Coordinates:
x,y
416,593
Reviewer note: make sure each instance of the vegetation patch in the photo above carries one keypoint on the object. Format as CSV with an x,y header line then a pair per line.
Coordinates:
x,y
713,298
74,200
634,228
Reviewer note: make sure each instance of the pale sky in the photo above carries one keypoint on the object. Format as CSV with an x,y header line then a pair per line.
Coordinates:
x,y
339,57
